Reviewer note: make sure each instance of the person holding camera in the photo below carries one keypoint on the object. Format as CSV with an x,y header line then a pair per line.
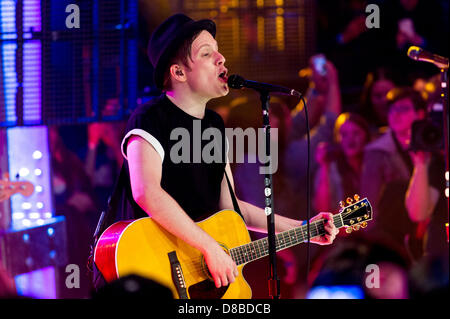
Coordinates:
x,y
401,183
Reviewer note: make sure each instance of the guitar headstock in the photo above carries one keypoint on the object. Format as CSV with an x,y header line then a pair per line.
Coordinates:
x,y
355,213
9,188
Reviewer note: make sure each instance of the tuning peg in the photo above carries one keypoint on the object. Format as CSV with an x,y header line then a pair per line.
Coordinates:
x,y
348,230
342,204
349,200
355,227
356,197
363,224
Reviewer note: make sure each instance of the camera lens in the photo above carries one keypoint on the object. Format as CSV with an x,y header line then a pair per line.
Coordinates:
x,y
426,136
431,135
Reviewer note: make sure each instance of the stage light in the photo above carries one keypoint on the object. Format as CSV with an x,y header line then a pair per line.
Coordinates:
x,y
23,172
48,215
26,237
18,215
34,215
52,254
336,292
26,222
31,284
27,143
50,231
26,205
446,184
37,155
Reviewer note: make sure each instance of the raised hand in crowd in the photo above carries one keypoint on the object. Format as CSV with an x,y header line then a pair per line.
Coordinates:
x,y
323,96
406,34
421,197
354,29
325,84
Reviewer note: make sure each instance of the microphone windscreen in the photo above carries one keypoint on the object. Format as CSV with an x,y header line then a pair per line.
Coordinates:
x,y
413,52
235,81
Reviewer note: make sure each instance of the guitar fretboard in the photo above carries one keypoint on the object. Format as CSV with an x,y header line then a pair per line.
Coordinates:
x,y
260,248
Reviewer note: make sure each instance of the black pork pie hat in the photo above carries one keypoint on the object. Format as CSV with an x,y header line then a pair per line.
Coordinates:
x,y
167,39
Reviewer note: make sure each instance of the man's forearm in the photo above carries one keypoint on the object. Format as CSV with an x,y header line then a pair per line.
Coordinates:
x,y
334,99
417,200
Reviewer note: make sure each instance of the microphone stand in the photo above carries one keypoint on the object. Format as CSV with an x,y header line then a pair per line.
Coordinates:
x,y
273,281
443,66
444,98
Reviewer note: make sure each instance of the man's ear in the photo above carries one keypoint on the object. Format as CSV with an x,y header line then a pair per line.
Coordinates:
x,y
177,72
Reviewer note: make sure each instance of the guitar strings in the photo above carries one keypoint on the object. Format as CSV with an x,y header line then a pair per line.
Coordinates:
x,y
242,253
239,257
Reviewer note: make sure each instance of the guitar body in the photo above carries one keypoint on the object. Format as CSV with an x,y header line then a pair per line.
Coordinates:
x,y
141,247
144,248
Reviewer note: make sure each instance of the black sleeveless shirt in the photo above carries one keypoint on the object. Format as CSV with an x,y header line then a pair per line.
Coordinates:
x,y
183,142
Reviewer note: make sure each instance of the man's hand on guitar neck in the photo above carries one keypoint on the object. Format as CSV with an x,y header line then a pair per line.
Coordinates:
x,y
220,265
330,228
223,269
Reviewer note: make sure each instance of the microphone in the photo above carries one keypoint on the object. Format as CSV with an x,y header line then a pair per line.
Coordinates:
x,y
236,82
420,54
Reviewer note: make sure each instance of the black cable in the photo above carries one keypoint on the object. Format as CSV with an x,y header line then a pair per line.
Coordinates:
x,y
308,185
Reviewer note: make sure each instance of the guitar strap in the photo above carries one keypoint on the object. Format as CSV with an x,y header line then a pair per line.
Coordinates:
x,y
98,281
113,202
233,196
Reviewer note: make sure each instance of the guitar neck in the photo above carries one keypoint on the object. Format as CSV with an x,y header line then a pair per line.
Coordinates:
x,y
260,248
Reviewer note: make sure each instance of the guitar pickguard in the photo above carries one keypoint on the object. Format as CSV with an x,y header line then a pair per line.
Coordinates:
x,y
206,289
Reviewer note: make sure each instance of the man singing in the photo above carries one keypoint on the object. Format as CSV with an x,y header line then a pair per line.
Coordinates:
x,y
190,70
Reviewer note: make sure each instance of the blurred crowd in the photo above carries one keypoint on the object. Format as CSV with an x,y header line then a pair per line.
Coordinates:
x,y
366,152
363,101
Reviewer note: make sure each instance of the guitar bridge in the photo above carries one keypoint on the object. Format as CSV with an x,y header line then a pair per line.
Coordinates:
x,y
177,275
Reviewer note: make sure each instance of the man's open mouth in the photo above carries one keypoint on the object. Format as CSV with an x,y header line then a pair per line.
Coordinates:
x,y
223,76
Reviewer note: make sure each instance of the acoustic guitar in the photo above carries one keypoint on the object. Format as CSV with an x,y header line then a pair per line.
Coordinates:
x,y
144,248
